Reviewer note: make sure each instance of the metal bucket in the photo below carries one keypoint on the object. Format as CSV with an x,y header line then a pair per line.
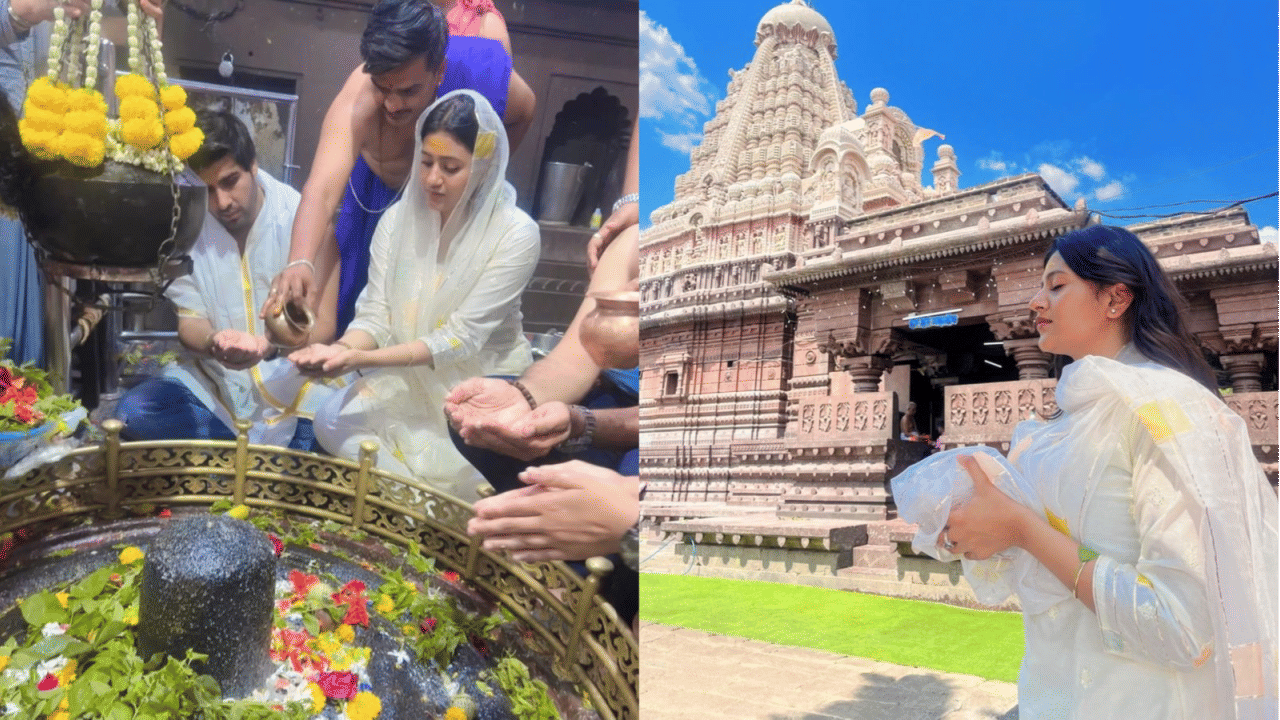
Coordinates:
x,y
561,191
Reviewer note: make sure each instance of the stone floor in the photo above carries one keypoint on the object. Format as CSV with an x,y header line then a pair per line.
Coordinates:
x,y
693,675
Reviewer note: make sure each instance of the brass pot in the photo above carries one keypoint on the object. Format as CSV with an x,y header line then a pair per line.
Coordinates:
x,y
289,326
611,331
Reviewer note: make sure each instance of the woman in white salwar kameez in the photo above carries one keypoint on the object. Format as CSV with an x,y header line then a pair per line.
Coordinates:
x,y
448,265
1148,583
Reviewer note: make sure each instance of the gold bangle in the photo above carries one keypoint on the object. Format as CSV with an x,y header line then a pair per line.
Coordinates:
x,y
1075,587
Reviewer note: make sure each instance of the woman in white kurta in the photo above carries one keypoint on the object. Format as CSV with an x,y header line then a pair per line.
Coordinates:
x,y
1142,498
448,265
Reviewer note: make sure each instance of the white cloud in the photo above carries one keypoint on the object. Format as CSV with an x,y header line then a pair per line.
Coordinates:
x,y
1090,167
1062,181
1267,234
680,142
1110,191
993,163
670,85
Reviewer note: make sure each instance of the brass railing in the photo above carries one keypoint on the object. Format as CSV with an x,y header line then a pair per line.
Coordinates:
x,y
588,641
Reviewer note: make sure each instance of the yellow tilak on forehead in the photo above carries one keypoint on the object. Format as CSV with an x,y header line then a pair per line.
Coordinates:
x,y
485,142
437,145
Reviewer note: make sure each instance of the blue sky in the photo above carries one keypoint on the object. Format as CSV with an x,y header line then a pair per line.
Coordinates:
x,y
1125,104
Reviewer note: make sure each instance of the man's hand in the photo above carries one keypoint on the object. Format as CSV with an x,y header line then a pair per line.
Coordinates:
x,y
298,281
36,11
571,511
531,436
625,217
483,400
319,360
238,350
152,8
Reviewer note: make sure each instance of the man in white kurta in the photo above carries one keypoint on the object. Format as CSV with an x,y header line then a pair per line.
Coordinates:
x,y
230,371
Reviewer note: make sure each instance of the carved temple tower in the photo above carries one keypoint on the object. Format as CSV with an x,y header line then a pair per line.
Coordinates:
x,y
804,285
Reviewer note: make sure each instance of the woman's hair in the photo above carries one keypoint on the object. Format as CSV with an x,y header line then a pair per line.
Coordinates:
x,y
400,30
224,134
1104,256
457,116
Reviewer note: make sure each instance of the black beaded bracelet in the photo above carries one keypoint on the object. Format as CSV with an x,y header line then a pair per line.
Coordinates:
x,y
528,396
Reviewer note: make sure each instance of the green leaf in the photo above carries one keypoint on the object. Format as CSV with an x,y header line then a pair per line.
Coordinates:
x,y
310,622
41,609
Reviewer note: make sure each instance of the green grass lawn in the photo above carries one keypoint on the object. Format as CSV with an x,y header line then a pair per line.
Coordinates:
x,y
905,632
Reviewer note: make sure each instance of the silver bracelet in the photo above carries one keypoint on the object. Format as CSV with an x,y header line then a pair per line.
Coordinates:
x,y
302,262
632,198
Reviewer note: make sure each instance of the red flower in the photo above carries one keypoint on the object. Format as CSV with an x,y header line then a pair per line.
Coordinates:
x,y
357,614
350,593
450,576
6,377
275,543
428,625
338,685
302,582
164,513
27,414
50,682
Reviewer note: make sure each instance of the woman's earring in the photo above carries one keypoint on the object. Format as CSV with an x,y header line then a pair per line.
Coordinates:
x,y
1113,311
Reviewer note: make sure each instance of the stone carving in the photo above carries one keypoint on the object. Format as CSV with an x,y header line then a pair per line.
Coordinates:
x,y
1049,402
1004,407
810,357
880,414
1026,403
690,282
842,417
806,420
1258,416
958,412
979,408
860,416
824,419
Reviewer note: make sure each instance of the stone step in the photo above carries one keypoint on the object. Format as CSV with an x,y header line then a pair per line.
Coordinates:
x,y
883,557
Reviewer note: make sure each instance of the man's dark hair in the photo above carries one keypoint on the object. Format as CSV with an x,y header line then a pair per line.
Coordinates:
x,y
400,30
224,134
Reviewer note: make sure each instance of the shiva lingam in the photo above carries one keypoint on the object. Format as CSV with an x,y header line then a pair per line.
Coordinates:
x,y
289,324
611,331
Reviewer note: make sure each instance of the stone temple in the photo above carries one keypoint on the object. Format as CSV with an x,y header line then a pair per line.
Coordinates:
x,y
804,285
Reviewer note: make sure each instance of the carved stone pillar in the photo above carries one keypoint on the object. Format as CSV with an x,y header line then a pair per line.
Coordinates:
x,y
866,372
1245,371
1033,363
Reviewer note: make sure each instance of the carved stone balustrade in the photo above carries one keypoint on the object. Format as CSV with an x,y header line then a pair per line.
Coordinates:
x,y
985,414
1259,410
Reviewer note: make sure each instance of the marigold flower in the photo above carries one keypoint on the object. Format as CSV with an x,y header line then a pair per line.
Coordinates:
x,y
134,85
385,604
40,119
4,662
62,599
239,512
138,108
87,122
130,555
455,713
365,706
86,99
173,96
346,634
131,619
80,149
68,673
143,134
45,94
61,714
185,144
317,697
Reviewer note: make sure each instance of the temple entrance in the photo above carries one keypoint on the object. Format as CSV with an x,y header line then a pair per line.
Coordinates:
x,y
943,356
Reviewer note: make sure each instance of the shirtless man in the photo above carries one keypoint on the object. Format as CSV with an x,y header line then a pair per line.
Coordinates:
x,y
366,142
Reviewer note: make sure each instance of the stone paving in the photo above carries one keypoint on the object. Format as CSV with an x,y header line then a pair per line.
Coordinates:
x,y
694,675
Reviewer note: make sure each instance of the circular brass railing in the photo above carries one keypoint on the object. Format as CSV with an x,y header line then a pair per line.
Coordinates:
x,y
589,643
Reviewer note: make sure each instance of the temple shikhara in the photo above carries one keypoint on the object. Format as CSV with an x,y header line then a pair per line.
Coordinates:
x,y
806,284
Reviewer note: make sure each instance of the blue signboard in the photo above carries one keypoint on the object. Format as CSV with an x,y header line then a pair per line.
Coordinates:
x,y
933,321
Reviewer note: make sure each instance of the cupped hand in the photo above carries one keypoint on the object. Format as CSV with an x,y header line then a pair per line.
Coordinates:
x,y
989,523
571,511
320,360
531,436
238,350
483,400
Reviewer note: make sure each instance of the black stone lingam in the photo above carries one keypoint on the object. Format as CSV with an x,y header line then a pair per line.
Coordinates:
x,y
208,585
